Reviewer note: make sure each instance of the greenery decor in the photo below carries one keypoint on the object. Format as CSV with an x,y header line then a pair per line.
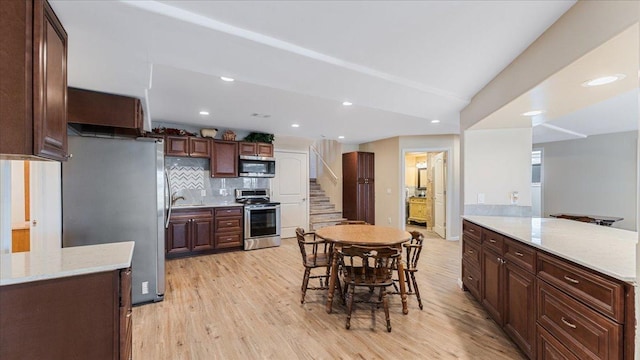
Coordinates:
x,y
259,137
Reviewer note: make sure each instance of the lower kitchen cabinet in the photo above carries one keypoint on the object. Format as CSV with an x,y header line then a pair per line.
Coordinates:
x,y
198,231
190,231
228,227
77,317
550,307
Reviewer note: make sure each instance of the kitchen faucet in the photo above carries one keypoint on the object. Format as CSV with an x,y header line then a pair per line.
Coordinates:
x,y
175,198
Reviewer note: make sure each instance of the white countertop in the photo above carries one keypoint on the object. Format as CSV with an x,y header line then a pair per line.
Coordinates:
x,y
607,250
22,267
207,205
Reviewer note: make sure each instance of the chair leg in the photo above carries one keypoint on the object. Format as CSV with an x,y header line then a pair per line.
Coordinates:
x,y
415,286
349,306
406,276
385,303
305,283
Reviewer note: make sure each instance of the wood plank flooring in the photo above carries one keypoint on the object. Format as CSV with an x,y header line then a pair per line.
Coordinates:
x,y
246,305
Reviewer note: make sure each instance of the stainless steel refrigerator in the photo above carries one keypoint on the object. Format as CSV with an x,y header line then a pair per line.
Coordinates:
x,y
114,190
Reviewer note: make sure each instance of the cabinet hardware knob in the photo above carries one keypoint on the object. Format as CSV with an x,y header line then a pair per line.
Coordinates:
x,y
573,326
571,280
470,251
492,241
471,230
519,254
470,277
228,223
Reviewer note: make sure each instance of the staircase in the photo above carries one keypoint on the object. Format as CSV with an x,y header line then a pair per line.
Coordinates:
x,y
321,212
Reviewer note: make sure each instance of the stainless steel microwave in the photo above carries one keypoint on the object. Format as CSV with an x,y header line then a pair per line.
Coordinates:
x,y
256,166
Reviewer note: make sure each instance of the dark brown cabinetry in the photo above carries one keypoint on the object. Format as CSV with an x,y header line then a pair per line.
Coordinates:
x,y
228,227
358,186
189,231
187,146
550,307
33,90
85,316
198,231
102,112
224,160
255,149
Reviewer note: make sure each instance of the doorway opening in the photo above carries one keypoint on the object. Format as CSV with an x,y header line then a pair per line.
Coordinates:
x,y
425,185
536,183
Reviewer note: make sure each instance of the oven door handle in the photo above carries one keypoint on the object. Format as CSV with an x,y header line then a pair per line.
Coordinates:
x,y
249,208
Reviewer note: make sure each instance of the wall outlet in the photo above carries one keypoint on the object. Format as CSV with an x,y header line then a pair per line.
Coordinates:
x,y
480,198
223,192
203,192
389,220
145,287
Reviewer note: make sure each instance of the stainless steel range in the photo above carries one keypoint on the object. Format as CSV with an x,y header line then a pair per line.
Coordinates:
x,y
261,218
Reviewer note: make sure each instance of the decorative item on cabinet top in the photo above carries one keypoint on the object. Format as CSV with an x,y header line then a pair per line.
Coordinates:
x,y
172,131
229,135
259,137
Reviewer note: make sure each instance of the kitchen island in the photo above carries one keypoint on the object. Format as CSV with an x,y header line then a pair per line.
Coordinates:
x,y
558,288
67,303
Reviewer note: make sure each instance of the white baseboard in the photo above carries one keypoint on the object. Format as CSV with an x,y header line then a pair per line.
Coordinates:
x,y
460,283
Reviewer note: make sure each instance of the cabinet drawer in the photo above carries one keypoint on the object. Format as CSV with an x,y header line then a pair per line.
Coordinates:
x,y
584,331
493,240
471,251
549,348
227,240
471,279
233,211
228,224
519,254
472,230
602,294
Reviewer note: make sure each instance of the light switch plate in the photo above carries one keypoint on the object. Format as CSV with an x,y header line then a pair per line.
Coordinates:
x,y
480,198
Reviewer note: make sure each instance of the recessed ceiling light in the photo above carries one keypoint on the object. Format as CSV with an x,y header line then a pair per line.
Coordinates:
x,y
204,113
228,79
435,121
533,113
340,137
295,125
347,103
603,80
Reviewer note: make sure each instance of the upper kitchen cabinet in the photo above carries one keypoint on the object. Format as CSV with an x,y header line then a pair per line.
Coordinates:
x,y
224,159
187,146
33,90
92,111
255,149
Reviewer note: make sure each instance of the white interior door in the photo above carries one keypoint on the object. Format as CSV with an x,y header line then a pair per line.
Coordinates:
x,y
290,188
439,194
46,205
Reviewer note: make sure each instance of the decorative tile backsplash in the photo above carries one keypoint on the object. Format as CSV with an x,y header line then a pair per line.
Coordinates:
x,y
186,177
189,176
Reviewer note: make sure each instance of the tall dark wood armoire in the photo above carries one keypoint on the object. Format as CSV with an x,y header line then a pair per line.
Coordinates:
x,y
358,186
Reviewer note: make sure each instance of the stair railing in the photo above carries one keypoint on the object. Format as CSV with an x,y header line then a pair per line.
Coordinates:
x,y
334,177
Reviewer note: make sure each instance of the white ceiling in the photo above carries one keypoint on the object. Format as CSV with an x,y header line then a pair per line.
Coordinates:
x,y
573,111
401,63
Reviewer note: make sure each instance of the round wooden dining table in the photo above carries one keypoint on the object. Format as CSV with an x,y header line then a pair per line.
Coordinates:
x,y
364,235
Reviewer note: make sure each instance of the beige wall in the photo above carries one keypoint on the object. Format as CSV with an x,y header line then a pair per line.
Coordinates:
x,y
498,162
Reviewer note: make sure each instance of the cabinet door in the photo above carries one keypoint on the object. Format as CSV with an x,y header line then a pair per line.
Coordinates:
x,y
49,84
202,234
264,149
549,348
224,159
247,148
199,147
492,284
178,234
177,146
519,308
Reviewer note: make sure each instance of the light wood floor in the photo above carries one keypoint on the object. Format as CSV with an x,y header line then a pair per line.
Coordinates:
x,y
246,305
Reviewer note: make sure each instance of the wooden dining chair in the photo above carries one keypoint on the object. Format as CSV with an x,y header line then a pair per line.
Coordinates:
x,y
316,254
413,248
370,268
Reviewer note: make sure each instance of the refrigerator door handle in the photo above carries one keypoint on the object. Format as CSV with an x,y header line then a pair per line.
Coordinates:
x,y
166,176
